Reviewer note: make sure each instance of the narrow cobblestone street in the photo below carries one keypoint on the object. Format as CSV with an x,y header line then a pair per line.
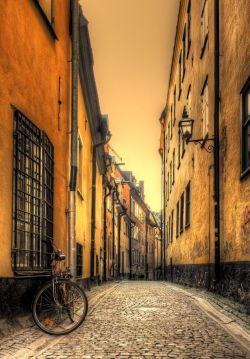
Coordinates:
x,y
142,320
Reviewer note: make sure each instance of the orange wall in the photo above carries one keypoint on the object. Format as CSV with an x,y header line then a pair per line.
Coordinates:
x,y
31,62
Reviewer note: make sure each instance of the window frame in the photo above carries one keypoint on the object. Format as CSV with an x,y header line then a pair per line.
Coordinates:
x,y
33,198
204,91
184,44
204,23
79,258
188,206
245,123
189,19
177,219
182,213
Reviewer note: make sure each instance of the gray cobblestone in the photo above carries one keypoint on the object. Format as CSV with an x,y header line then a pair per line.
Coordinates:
x,y
147,320
141,320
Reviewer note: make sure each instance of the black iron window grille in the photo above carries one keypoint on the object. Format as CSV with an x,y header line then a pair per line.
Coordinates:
x,y
245,130
79,256
32,197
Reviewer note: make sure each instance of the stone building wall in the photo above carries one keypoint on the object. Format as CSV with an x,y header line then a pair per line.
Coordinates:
x,y
190,253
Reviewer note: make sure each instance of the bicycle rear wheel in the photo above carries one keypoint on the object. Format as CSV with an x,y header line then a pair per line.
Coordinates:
x,y
62,310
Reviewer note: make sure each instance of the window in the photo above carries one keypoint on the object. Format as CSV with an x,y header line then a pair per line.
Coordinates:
x,y
183,53
182,213
204,25
245,141
173,176
177,219
168,143
188,27
179,148
171,123
169,229
182,146
180,73
188,204
166,189
33,180
80,168
205,114
174,105
172,225
78,259
189,110
168,185
167,237
47,7
171,173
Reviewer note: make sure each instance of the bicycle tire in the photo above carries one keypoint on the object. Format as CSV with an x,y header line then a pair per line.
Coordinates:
x,y
45,325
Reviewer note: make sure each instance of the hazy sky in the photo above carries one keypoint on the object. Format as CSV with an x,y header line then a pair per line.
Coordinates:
x,y
132,42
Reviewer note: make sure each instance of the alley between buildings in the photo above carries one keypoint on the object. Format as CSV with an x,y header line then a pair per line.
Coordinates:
x,y
135,319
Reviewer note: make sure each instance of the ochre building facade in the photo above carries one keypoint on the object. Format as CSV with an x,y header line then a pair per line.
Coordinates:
x,y
207,183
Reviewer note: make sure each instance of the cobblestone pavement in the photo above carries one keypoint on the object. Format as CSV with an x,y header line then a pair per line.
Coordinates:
x,y
31,337
146,320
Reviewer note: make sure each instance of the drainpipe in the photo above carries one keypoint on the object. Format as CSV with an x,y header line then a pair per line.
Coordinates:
x,y
146,257
216,139
74,130
119,241
105,234
93,207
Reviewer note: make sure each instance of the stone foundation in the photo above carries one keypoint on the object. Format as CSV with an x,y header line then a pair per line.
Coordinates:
x,y
234,283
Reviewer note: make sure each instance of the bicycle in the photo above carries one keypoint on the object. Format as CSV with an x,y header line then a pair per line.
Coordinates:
x,y
60,306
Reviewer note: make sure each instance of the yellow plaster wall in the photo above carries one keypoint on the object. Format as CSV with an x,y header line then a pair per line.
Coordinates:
x,y
83,200
31,62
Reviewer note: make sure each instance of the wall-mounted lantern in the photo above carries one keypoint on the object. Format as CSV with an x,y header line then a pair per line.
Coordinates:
x,y
186,127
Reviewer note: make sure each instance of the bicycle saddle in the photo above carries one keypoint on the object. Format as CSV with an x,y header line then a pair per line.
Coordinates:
x,y
59,256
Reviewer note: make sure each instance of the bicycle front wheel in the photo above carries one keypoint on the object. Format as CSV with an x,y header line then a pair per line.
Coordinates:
x,y
60,309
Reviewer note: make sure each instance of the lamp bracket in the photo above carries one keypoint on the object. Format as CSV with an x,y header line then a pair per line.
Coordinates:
x,y
202,142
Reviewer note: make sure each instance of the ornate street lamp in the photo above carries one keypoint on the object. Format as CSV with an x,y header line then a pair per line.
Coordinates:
x,y
186,127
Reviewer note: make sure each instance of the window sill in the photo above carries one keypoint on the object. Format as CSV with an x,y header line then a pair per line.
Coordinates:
x,y
47,23
245,173
204,46
187,225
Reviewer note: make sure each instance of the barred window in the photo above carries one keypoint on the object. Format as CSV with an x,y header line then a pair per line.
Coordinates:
x,y
245,134
79,257
33,183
